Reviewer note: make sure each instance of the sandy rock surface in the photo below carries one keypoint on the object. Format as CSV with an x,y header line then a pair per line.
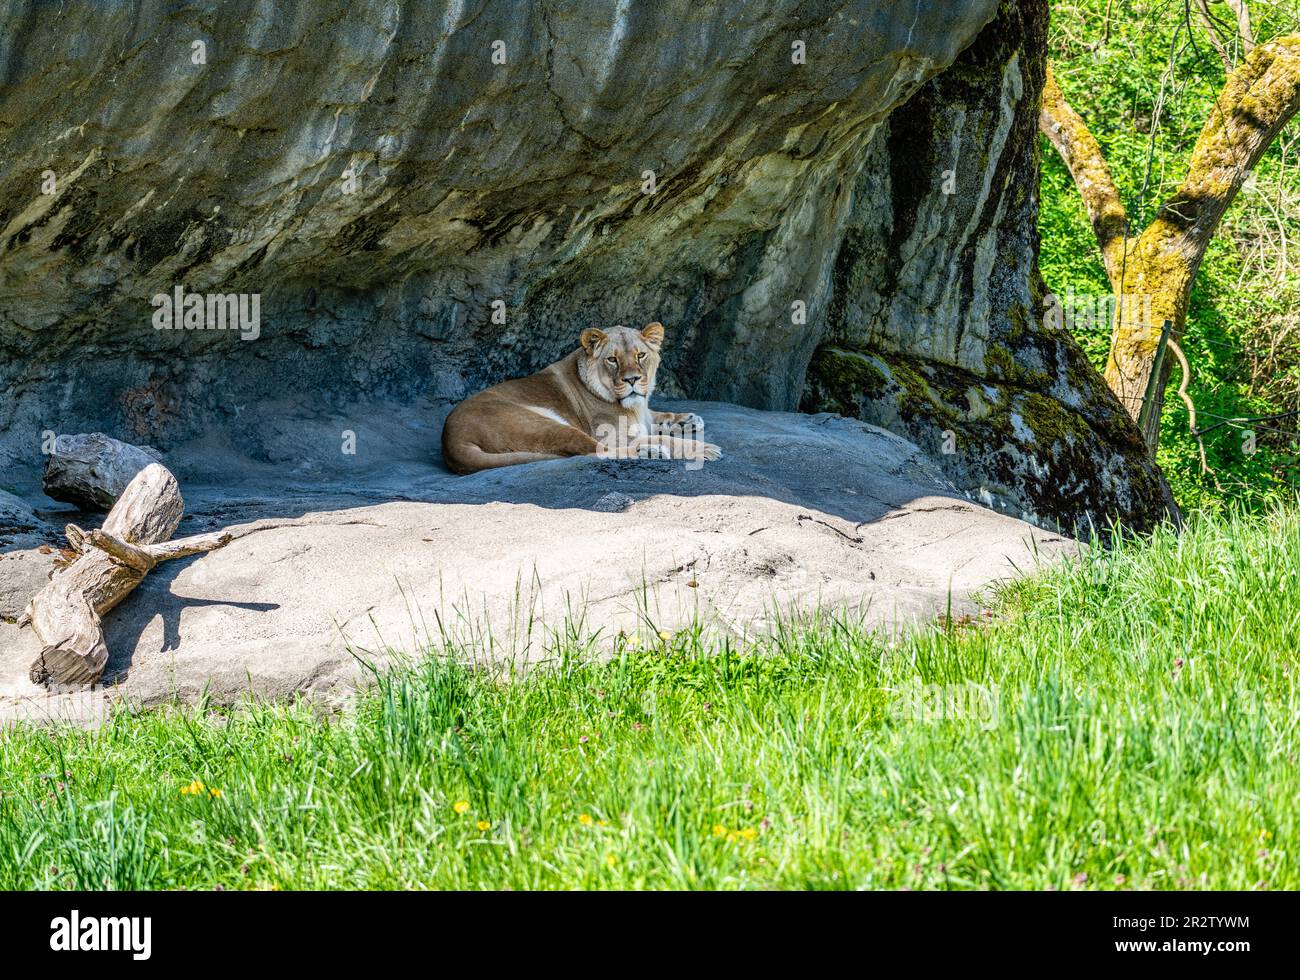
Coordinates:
x,y
802,512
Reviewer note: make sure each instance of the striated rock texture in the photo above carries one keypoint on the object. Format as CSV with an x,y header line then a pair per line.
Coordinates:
x,y
384,184
940,327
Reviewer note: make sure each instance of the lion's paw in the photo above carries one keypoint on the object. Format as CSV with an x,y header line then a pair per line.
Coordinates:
x,y
691,423
708,452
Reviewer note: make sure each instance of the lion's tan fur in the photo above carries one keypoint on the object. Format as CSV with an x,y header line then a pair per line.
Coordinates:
x,y
595,401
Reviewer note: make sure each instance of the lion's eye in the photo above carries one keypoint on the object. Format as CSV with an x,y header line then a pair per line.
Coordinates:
x,y
640,355
612,361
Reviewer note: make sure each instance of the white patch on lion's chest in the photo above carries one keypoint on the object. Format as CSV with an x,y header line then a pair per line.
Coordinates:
x,y
548,413
641,405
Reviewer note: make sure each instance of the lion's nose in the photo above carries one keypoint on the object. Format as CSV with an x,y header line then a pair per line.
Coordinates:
x,y
632,379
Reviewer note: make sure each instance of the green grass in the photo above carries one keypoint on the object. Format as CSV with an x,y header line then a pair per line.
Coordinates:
x,y
1145,736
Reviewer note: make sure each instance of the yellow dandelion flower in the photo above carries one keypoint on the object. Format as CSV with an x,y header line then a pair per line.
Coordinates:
x,y
601,823
484,825
749,833
719,830
665,635
460,806
584,819
610,861
193,789
214,792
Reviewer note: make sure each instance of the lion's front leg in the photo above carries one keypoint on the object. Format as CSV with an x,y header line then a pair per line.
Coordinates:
x,y
677,423
662,442
670,447
641,447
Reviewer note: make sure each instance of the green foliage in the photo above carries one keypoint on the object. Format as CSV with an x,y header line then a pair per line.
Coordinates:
x,y
1144,76
1144,734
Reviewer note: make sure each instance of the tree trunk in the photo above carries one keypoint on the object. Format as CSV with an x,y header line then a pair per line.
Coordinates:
x,y
1151,274
1153,284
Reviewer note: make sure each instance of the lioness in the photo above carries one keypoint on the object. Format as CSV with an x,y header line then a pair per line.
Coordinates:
x,y
596,401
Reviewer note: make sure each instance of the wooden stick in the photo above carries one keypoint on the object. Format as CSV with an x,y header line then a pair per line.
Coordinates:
x,y
193,545
125,552
76,538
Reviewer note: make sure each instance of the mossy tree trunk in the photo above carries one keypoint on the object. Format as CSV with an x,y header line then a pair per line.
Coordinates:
x,y
1151,273
1153,284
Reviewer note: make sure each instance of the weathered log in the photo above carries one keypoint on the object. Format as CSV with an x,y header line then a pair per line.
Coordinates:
x,y
92,470
111,561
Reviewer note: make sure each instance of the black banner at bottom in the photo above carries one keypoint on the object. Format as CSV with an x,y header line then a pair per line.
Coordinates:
x,y
141,930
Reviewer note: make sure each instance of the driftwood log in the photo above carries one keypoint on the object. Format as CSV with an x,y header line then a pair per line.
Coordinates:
x,y
109,563
92,470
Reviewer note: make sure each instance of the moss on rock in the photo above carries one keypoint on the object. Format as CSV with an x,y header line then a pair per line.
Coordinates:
x,y
974,371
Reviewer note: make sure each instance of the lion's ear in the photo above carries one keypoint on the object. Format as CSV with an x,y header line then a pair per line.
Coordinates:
x,y
653,333
591,339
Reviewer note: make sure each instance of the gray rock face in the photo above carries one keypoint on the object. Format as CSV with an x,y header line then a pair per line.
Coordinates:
x,y
24,567
389,190
804,513
18,521
939,327
23,573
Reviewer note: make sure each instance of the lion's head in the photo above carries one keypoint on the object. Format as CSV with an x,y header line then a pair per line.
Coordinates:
x,y
619,364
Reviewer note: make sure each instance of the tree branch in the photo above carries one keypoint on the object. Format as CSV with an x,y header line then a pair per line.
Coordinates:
x,y
1257,100
1191,410
124,552
142,558
1244,31
1087,165
1213,31
192,545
